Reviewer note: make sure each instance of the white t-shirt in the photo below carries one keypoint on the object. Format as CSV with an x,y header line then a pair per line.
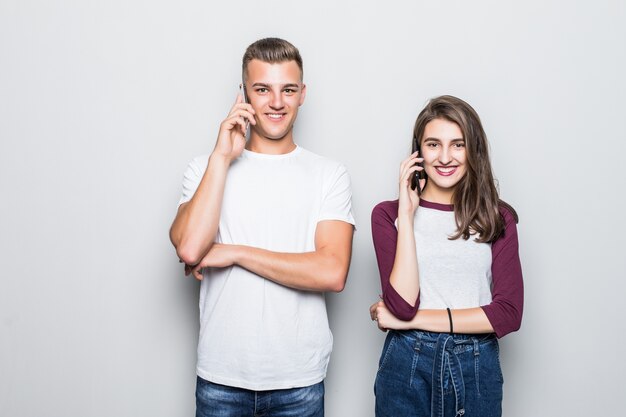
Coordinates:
x,y
254,333
453,273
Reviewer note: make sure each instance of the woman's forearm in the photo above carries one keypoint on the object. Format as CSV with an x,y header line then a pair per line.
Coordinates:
x,y
404,276
467,320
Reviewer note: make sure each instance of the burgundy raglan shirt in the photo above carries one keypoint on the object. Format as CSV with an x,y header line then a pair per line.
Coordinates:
x,y
453,273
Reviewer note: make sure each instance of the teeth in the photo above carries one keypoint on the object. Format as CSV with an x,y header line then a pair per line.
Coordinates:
x,y
445,169
275,116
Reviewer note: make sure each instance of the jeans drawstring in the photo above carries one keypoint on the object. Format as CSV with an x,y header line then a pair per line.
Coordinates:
x,y
446,359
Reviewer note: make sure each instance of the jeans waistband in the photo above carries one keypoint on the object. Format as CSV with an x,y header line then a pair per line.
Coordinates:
x,y
457,338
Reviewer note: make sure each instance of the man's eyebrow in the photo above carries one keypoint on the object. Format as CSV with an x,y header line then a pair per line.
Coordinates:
x,y
266,85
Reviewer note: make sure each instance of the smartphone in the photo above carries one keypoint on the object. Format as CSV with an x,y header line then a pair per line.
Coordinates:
x,y
417,175
242,89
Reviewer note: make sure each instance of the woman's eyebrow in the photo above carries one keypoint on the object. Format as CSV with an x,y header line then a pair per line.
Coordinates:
x,y
439,140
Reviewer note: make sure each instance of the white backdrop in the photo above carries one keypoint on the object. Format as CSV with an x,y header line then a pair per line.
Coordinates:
x,y
102,104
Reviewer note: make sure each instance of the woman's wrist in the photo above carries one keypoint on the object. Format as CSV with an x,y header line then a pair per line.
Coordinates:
x,y
406,219
416,322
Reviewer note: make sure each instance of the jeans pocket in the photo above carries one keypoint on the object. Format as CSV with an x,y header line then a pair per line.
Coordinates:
x,y
499,367
389,343
488,366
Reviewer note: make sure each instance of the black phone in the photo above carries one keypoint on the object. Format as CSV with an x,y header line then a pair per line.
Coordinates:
x,y
418,175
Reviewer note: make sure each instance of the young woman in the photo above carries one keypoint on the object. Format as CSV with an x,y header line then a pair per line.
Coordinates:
x,y
450,273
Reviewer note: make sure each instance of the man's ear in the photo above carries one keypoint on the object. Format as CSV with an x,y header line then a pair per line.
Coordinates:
x,y
302,94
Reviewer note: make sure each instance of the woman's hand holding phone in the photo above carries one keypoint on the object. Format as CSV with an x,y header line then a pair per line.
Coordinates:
x,y
231,138
409,199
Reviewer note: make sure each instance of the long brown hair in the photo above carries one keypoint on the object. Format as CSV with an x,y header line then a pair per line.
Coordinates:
x,y
475,198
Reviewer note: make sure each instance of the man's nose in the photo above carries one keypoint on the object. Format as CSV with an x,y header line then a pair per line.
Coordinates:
x,y
276,101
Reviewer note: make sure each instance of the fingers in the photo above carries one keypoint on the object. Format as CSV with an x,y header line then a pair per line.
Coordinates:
x,y
382,328
197,273
409,166
409,161
409,172
242,109
422,183
378,310
246,113
375,309
233,121
381,314
195,270
408,195
380,319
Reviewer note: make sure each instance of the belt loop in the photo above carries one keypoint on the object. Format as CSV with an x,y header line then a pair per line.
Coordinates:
x,y
418,342
477,365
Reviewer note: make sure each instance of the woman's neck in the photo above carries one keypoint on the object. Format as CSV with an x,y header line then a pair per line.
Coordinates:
x,y
437,195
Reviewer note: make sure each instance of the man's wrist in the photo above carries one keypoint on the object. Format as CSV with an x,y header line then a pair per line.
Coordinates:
x,y
219,161
238,253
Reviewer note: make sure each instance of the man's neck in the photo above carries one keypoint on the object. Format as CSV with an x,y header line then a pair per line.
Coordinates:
x,y
271,146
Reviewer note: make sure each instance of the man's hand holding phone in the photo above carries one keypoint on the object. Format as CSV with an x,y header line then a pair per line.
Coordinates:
x,y
232,135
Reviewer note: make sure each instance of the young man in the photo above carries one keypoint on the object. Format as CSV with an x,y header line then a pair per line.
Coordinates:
x,y
267,226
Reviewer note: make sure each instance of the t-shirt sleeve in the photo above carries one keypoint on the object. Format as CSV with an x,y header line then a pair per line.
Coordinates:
x,y
191,179
337,203
385,236
505,310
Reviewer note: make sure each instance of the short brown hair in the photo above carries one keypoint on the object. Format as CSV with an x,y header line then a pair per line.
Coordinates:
x,y
271,50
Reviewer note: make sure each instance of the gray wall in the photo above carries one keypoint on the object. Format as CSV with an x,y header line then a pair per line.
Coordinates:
x,y
103,103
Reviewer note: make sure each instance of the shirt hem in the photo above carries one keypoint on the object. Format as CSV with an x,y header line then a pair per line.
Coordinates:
x,y
274,385
339,217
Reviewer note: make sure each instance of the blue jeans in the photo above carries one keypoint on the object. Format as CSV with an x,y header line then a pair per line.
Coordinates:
x,y
214,400
424,374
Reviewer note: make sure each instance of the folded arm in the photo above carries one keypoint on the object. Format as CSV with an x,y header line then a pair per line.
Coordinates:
x,y
196,223
468,320
324,269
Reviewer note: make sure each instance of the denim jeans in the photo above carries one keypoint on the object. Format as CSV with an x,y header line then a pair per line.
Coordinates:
x,y
424,374
214,400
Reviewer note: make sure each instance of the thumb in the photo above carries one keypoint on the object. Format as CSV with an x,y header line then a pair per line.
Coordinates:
x,y
422,184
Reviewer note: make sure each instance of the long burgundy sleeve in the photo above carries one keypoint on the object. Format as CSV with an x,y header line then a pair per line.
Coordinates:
x,y
507,288
385,236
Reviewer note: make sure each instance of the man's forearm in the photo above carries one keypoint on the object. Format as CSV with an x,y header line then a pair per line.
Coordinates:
x,y
195,227
311,271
